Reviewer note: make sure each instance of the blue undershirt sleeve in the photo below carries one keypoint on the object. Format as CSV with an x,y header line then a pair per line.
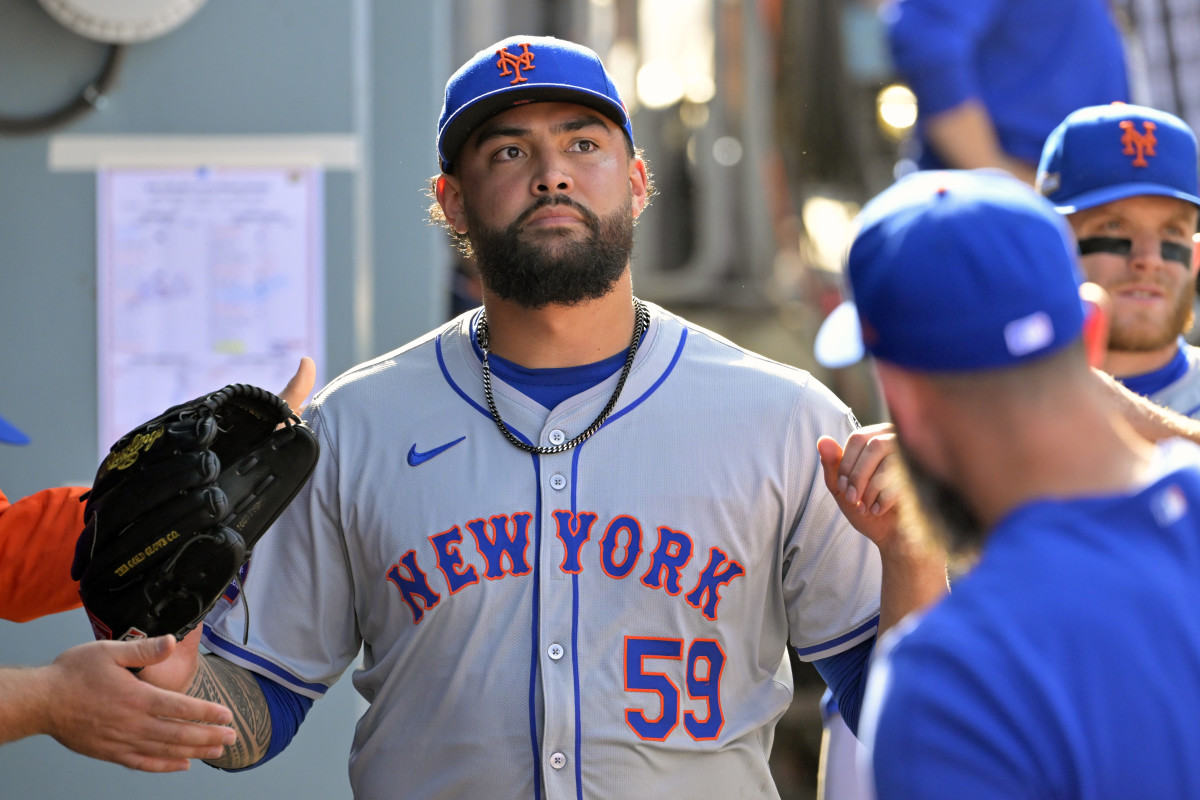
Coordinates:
x,y
287,709
846,676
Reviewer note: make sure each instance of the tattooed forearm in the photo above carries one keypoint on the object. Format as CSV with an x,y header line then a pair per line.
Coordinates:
x,y
235,688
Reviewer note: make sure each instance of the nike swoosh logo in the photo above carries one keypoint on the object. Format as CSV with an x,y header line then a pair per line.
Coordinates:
x,y
415,457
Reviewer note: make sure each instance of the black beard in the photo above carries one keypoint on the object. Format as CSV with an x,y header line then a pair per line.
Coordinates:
x,y
535,275
941,509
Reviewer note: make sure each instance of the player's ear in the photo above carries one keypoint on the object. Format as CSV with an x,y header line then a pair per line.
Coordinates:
x,y
449,197
1097,310
639,184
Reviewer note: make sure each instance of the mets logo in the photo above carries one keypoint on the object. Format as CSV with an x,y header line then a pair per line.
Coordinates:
x,y
1137,144
511,64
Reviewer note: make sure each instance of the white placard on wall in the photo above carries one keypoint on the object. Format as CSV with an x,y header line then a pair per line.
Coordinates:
x,y
206,277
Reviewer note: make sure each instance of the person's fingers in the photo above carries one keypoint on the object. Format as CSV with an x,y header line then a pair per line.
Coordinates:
x,y
140,740
179,707
873,519
881,479
143,652
830,453
300,385
145,763
149,743
865,452
174,738
883,493
851,453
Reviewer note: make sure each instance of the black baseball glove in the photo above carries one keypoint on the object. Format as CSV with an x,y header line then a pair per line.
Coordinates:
x,y
178,504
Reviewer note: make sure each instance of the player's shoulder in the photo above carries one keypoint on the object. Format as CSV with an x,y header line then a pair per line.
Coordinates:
x,y
1191,354
1174,455
1172,490
408,365
719,361
721,352
1183,393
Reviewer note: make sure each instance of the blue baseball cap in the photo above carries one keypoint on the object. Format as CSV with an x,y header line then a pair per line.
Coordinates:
x,y
523,69
9,433
957,270
1099,154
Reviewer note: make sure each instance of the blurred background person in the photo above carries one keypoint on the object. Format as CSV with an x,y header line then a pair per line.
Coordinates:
x,y
993,77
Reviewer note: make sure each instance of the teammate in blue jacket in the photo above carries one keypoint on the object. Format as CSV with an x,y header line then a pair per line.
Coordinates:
x,y
573,534
993,77
1126,176
1065,663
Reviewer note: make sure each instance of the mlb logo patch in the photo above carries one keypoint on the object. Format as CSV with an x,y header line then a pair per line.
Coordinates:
x,y
1169,505
1029,334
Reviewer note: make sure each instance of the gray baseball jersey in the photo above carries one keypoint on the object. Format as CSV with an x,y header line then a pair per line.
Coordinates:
x,y
1183,394
603,623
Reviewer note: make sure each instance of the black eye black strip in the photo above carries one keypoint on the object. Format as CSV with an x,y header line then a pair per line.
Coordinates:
x,y
1174,251
1105,244
1171,251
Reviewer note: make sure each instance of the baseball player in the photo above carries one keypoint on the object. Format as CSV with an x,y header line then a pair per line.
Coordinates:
x,y
1064,663
1126,177
572,533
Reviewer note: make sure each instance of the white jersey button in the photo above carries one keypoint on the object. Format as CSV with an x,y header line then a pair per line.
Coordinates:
x,y
558,481
557,437
555,651
558,760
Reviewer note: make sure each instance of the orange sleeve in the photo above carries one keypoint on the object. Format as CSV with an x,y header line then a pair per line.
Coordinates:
x,y
37,545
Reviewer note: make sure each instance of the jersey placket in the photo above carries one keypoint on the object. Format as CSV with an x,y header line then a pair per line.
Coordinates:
x,y
557,662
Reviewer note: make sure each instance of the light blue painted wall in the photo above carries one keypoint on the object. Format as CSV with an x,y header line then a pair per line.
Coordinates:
x,y
371,68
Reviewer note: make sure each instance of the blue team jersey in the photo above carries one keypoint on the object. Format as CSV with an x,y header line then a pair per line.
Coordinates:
x,y
1066,665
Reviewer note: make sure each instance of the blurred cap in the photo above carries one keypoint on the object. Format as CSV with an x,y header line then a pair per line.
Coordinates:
x,y
523,69
9,433
953,271
1099,154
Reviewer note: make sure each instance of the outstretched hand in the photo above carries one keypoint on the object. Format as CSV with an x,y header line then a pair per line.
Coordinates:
x,y
862,478
865,480
97,707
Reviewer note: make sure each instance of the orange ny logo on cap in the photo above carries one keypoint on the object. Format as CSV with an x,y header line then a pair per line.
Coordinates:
x,y
518,62
1137,144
